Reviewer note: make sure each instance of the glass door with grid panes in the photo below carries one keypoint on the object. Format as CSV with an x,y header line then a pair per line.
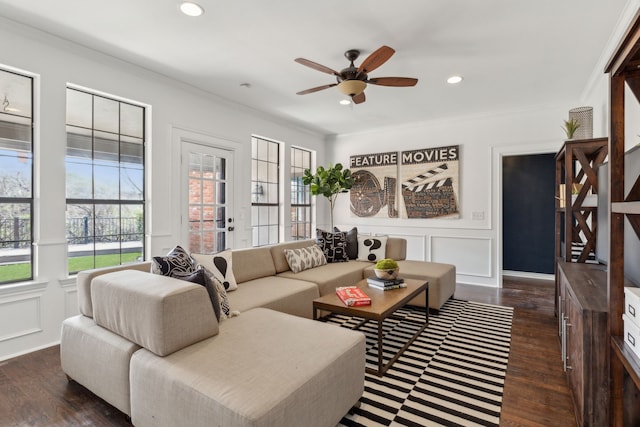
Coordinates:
x,y
207,219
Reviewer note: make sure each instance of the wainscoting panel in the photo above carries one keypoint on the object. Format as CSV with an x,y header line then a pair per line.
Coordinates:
x,y
70,297
471,255
20,317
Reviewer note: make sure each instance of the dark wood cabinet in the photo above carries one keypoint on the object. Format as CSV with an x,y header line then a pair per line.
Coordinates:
x,y
583,313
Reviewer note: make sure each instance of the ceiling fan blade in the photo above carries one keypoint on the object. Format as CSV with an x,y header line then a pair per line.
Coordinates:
x,y
376,59
393,81
358,99
316,89
316,66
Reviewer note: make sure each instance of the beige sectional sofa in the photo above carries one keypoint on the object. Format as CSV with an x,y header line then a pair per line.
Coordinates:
x,y
151,346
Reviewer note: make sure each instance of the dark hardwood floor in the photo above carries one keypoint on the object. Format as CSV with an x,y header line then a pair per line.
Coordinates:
x,y
35,392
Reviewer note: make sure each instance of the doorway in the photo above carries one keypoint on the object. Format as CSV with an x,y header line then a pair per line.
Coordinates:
x,y
528,206
206,197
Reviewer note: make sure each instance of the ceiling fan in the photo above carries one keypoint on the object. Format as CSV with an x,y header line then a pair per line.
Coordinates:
x,y
353,80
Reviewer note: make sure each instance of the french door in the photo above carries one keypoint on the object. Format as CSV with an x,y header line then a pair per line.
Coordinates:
x,y
207,197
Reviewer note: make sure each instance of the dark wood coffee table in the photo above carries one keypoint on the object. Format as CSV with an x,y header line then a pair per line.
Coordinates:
x,y
383,305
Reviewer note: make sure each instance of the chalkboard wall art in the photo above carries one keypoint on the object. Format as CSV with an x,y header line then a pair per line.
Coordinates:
x,y
430,183
374,190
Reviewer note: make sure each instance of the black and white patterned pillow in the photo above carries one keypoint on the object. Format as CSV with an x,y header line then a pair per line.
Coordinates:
x,y
177,263
219,266
304,258
371,248
223,298
334,245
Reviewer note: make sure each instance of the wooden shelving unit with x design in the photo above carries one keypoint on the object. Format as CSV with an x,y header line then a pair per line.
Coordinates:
x,y
576,169
624,75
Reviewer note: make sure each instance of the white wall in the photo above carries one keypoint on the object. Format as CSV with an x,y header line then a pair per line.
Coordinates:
x,y
474,246
31,313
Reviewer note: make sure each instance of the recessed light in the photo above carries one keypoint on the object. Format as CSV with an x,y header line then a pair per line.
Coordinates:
x,y
345,102
191,9
454,79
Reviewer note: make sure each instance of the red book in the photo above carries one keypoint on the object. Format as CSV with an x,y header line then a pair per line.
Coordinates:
x,y
353,296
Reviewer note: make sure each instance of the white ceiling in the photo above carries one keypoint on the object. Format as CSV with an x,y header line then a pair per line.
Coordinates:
x,y
512,53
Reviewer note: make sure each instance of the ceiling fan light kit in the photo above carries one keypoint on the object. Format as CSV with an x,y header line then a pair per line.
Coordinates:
x,y
352,87
352,81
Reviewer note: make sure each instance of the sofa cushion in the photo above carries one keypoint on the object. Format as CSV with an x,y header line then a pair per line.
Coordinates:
x,y
304,258
372,248
441,278
220,265
159,313
277,252
288,295
252,263
334,245
201,277
177,263
329,277
264,369
396,248
352,241
84,278
98,359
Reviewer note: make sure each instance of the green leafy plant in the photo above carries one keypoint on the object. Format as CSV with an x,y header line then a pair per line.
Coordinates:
x,y
570,127
329,183
386,264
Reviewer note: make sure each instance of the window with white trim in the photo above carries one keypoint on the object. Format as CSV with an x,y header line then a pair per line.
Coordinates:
x,y
265,191
300,195
16,177
105,163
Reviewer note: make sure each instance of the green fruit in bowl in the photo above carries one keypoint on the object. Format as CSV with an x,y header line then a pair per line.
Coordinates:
x,y
386,264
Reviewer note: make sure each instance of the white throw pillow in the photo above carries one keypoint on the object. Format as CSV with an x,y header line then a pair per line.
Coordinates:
x,y
371,248
220,266
304,258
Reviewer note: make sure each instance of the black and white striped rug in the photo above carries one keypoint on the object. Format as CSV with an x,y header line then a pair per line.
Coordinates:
x,y
452,375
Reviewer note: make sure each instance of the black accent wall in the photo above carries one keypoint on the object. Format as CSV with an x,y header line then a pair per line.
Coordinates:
x,y
528,191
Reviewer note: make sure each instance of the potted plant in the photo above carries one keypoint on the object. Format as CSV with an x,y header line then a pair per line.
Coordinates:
x,y
386,269
570,127
329,183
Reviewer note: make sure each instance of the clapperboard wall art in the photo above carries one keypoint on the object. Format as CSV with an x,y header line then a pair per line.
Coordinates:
x,y
374,190
430,183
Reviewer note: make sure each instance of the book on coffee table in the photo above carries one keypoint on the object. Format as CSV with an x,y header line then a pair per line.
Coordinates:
x,y
385,283
353,296
387,287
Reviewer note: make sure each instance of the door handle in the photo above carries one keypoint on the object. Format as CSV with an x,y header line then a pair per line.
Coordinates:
x,y
229,228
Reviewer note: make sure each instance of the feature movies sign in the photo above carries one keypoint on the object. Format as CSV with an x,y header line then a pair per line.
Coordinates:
x,y
430,182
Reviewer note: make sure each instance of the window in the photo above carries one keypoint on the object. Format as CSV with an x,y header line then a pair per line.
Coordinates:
x,y
300,195
265,191
104,180
16,177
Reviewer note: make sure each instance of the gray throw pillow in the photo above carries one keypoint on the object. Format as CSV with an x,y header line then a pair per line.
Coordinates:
x,y
352,241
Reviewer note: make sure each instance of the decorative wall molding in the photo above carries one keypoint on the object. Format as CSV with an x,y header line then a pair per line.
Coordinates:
x,y
43,243
70,289
22,288
27,310
480,250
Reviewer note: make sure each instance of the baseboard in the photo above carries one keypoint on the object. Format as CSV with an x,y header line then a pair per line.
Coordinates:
x,y
528,275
